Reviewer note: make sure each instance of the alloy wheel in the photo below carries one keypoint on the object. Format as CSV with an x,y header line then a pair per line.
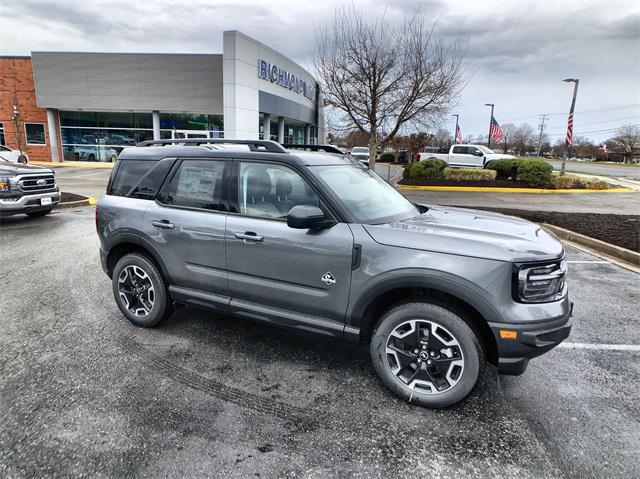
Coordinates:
x,y
136,290
424,356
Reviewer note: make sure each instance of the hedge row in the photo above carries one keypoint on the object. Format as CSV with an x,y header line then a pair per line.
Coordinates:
x,y
536,173
434,169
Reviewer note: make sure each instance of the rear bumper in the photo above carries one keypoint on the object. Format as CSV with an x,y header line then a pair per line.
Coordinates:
x,y
531,340
28,203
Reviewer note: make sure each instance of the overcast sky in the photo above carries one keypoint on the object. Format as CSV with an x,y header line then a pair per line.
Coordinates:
x,y
518,52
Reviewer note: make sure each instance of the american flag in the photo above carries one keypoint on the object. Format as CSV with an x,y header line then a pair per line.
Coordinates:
x,y
458,134
569,139
495,132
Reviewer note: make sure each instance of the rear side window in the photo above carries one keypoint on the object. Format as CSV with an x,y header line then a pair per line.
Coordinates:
x,y
128,174
461,150
149,185
198,184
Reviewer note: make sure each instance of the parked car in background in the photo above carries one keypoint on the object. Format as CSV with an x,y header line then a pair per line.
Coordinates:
x,y
360,153
467,156
27,189
96,153
12,156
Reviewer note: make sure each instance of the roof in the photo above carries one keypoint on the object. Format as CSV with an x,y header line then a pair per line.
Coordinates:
x,y
306,158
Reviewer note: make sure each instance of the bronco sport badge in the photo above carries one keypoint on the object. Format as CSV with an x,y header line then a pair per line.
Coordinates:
x,y
328,278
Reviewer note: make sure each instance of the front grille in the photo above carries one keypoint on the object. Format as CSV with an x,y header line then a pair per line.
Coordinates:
x,y
37,183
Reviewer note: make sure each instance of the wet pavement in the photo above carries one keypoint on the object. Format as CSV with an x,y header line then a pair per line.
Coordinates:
x,y
83,393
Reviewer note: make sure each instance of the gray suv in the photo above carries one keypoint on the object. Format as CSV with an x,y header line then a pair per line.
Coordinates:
x,y
317,242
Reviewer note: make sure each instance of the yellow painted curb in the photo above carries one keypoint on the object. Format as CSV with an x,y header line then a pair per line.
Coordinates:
x,y
92,200
487,189
73,164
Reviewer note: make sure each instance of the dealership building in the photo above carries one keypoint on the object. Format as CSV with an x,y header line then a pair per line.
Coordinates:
x,y
62,106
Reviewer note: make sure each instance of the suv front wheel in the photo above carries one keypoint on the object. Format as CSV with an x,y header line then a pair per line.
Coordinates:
x,y
140,291
426,354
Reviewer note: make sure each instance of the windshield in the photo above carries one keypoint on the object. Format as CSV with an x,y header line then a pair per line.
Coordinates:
x,y
360,149
367,197
484,149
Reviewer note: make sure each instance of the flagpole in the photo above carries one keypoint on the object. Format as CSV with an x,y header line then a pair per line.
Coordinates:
x,y
455,132
490,120
575,81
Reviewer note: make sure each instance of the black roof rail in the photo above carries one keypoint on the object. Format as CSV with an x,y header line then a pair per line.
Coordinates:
x,y
254,145
323,148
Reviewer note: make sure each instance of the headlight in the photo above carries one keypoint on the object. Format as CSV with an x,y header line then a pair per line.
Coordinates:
x,y
539,283
5,185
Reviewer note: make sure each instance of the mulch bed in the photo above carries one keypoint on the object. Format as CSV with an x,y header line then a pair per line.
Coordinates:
x,y
620,230
478,183
69,197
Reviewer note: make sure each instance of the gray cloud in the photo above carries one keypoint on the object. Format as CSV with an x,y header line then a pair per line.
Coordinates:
x,y
517,52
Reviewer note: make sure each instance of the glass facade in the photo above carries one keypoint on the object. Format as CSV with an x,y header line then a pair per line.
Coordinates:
x,y
293,134
100,136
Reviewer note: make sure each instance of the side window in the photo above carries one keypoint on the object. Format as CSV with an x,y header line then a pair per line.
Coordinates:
x,y
474,151
198,184
460,150
149,185
128,175
270,191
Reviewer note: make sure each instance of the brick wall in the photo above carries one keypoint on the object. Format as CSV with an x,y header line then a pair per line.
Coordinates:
x,y
16,80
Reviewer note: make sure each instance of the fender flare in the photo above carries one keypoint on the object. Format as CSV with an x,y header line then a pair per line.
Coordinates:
x,y
129,237
431,279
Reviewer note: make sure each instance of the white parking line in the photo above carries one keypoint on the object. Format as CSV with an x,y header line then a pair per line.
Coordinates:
x,y
589,262
601,347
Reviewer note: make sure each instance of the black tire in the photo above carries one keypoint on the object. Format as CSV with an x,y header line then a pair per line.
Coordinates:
x,y
38,214
160,308
91,157
447,324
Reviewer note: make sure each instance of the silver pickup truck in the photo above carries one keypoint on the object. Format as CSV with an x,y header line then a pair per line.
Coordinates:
x,y
27,189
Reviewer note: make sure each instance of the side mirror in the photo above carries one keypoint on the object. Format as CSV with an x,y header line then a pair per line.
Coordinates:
x,y
477,153
304,217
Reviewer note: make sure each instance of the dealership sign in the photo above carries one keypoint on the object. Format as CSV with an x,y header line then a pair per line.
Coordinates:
x,y
275,74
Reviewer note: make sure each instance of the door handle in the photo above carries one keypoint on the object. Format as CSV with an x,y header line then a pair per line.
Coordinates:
x,y
163,224
249,236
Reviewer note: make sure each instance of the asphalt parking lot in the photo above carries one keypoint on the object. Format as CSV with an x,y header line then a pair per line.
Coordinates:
x,y
83,393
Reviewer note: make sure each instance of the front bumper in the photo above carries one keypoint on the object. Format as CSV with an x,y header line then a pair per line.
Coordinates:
x,y
28,203
530,340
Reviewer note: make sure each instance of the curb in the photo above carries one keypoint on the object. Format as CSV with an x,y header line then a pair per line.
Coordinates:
x,y
74,164
488,189
88,201
622,254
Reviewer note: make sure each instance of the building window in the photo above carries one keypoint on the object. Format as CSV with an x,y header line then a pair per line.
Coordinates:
x,y
2,142
35,133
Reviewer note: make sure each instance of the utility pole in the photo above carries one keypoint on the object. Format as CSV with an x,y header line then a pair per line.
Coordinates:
x,y
490,122
543,118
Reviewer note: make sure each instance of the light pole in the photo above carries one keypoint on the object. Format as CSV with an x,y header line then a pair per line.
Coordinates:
x,y
455,132
490,121
569,139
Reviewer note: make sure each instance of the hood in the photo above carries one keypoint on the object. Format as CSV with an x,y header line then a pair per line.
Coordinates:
x,y
500,156
466,232
14,169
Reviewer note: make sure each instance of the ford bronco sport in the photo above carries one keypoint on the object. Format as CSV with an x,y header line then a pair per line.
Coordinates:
x,y
318,242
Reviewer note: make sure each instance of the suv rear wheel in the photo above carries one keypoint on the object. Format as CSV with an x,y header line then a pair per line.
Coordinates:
x,y
426,354
140,291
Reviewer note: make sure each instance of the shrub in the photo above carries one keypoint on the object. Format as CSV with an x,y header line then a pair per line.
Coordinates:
x,y
387,156
567,182
504,169
469,174
537,173
596,185
406,173
428,169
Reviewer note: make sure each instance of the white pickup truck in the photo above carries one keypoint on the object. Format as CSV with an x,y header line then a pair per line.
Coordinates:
x,y
467,156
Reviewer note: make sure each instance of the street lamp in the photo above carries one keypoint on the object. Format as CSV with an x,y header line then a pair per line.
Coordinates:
x,y
569,139
490,121
455,132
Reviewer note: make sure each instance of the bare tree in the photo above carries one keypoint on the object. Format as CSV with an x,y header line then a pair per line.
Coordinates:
x,y
381,77
583,147
508,130
628,137
17,128
524,139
